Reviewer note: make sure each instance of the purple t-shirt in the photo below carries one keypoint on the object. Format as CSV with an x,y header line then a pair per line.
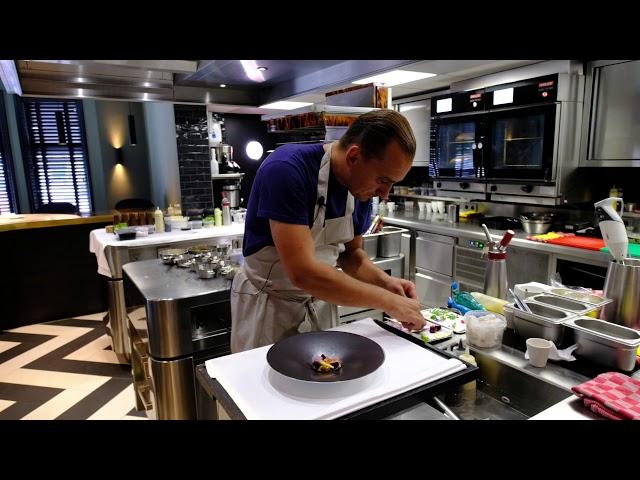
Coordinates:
x,y
285,189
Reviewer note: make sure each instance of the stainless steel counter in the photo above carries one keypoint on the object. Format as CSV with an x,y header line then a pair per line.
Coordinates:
x,y
158,282
435,223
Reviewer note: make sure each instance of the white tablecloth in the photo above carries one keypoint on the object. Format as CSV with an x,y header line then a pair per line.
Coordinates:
x,y
99,239
262,393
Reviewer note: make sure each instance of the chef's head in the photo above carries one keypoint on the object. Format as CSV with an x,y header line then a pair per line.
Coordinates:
x,y
379,148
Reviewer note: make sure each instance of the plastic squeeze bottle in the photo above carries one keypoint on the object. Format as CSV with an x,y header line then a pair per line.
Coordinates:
x,y
469,388
158,220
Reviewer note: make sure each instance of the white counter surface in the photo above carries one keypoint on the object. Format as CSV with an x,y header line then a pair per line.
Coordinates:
x,y
99,239
570,408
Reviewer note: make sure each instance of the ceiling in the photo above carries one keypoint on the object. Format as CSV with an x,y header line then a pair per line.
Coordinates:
x,y
198,81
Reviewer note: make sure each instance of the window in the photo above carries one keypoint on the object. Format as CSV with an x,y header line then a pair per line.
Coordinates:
x,y
7,186
56,159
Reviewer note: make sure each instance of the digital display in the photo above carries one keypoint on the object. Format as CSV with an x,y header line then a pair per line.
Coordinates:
x,y
501,97
444,105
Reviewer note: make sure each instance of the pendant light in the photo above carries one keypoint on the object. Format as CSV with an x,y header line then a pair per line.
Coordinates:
x,y
132,128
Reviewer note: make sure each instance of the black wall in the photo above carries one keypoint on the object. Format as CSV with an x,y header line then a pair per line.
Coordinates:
x,y
54,276
238,131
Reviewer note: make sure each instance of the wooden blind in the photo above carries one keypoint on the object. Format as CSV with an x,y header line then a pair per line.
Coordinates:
x,y
7,183
58,167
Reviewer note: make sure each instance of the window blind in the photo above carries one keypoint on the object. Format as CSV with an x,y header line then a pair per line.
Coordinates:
x,y
58,167
7,184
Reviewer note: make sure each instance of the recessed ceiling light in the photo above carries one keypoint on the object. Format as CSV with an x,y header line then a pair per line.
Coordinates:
x,y
395,77
284,105
263,69
223,85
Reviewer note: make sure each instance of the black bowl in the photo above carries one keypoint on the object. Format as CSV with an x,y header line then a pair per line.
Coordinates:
x,y
293,356
127,233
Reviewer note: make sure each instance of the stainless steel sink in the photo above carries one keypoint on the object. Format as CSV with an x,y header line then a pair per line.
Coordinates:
x,y
508,389
503,392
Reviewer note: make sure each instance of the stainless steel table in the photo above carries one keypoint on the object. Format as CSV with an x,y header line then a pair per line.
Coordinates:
x,y
119,253
188,321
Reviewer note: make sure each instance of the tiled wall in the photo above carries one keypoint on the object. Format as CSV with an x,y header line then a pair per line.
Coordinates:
x,y
193,156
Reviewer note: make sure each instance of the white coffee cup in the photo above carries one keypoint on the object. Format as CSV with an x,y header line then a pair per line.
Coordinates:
x,y
440,206
391,206
422,206
408,205
538,350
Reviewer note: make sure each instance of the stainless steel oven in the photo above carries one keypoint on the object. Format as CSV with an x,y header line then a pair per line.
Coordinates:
x,y
521,130
532,134
514,142
457,142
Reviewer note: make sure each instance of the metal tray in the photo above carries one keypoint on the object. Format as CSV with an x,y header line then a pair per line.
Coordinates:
x,y
605,343
577,295
562,303
545,321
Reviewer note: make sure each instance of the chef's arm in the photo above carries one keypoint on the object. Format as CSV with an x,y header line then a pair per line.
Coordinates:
x,y
355,261
297,253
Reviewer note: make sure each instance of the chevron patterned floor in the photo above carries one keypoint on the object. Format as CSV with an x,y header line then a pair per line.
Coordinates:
x,y
64,370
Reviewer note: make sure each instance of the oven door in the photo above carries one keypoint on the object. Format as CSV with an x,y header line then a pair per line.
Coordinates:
x,y
456,147
521,143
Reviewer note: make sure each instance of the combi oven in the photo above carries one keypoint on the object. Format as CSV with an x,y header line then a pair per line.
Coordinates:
x,y
457,142
512,139
521,130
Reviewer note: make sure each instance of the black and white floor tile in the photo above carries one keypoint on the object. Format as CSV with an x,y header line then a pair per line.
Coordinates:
x,y
64,370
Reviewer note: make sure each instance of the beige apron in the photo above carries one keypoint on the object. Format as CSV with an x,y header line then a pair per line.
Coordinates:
x,y
265,305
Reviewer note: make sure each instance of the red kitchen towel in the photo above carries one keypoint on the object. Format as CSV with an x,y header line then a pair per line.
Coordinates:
x,y
613,395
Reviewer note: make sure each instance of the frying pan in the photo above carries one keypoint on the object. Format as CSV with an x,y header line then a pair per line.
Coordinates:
x,y
293,356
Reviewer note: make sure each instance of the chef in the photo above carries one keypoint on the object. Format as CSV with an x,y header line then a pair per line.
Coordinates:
x,y
307,211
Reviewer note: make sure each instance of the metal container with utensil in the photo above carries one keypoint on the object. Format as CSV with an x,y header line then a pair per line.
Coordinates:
x,y
623,286
390,240
370,244
605,343
543,322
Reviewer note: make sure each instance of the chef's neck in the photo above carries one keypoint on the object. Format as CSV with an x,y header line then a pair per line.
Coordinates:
x,y
338,163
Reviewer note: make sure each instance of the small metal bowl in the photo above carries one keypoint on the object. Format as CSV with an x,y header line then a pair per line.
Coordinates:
x,y
536,223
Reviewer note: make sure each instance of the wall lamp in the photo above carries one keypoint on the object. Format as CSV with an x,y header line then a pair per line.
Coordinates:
x,y
133,139
119,156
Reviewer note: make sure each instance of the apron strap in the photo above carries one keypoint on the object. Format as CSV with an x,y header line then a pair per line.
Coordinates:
x,y
322,198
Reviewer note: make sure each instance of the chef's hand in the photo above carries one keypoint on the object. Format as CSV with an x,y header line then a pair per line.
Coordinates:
x,y
407,311
401,287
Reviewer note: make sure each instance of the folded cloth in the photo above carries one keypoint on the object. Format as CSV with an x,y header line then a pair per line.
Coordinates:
x,y
612,395
555,354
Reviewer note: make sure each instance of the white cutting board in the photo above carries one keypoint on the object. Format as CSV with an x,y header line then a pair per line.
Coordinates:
x,y
262,393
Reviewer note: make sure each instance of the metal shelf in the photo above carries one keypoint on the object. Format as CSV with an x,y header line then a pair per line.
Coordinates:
x,y
630,215
430,197
225,176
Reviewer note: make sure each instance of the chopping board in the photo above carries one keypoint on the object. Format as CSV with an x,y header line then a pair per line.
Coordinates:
x,y
588,243
634,250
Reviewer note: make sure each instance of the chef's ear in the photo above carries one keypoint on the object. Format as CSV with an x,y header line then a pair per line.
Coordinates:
x,y
354,152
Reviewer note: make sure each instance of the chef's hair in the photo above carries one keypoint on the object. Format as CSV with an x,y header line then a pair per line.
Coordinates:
x,y
374,130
